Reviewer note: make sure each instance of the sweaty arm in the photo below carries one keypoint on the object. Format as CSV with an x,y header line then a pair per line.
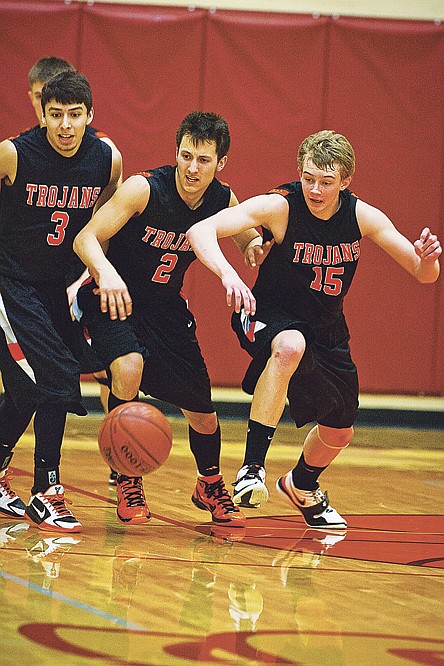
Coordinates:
x,y
114,182
115,178
420,259
129,199
270,211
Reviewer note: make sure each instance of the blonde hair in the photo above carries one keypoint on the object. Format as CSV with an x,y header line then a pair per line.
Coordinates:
x,y
327,149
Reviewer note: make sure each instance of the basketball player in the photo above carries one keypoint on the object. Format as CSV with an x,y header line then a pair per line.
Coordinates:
x,y
298,336
142,274
38,75
52,178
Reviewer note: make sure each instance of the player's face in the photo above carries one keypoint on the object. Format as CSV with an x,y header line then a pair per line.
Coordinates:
x,y
66,125
35,96
321,189
196,168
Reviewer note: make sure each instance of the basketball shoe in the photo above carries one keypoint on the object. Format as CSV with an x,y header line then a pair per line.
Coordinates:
x,y
211,494
249,488
49,512
10,504
132,508
313,504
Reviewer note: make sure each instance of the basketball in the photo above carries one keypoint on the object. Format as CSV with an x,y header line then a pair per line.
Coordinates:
x,y
135,439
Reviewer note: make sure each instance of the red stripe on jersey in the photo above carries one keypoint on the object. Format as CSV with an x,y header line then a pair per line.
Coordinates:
x,y
16,351
250,334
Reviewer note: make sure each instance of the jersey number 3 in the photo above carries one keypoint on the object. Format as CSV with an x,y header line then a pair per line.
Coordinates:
x,y
61,219
331,284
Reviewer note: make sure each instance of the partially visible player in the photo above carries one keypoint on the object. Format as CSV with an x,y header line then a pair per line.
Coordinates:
x,y
52,180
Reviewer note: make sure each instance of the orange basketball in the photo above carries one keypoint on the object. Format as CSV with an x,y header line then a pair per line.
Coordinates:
x,y
135,439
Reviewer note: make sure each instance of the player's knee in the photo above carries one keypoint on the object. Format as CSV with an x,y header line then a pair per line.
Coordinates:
x,y
287,350
206,424
336,438
126,372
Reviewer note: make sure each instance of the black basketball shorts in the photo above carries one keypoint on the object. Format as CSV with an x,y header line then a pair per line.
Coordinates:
x,y
324,388
165,334
37,345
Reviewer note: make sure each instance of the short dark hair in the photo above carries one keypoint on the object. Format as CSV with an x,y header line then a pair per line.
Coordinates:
x,y
200,127
45,68
68,88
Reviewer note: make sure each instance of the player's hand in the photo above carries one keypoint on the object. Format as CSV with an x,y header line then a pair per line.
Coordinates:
x,y
255,254
114,295
238,294
428,248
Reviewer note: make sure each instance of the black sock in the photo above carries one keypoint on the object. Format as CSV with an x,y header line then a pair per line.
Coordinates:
x,y
13,423
113,401
5,456
259,438
305,477
43,478
206,451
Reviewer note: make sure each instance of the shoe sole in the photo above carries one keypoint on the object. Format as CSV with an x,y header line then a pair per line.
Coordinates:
x,y
53,528
142,520
327,526
251,497
6,514
229,523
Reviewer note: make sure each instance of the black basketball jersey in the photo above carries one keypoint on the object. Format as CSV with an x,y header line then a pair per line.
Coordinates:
x,y
310,272
151,252
50,201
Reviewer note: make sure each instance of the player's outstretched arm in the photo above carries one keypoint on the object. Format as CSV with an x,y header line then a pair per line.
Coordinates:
x,y
420,259
204,235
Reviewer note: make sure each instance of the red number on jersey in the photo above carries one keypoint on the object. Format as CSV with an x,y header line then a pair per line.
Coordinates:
x,y
61,218
162,271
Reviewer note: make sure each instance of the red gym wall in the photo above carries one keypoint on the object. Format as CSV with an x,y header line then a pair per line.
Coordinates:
x,y
276,78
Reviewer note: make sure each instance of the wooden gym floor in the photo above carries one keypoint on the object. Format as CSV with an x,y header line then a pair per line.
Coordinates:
x,y
178,592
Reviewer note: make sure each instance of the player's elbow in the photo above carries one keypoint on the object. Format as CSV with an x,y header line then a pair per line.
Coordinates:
x,y
194,233
79,243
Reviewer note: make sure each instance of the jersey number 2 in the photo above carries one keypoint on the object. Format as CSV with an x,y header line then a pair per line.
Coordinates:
x,y
162,271
331,284
61,219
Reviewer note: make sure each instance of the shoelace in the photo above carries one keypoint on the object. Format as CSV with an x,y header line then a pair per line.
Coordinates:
x,y
133,491
220,493
58,503
253,472
314,497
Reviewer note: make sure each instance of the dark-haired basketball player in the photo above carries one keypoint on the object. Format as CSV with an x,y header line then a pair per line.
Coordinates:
x,y
52,179
40,72
155,349
298,337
